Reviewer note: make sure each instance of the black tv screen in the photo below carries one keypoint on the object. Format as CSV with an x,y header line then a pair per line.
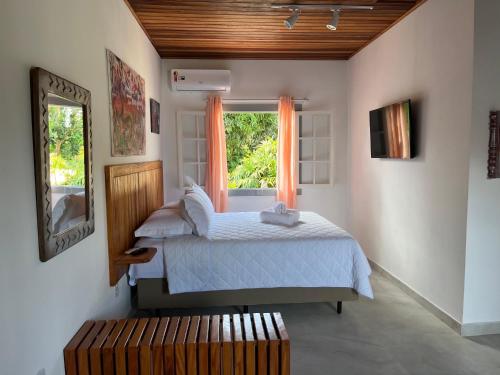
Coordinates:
x,y
390,131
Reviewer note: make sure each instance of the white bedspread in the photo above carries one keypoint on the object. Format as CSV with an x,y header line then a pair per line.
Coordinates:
x,y
241,252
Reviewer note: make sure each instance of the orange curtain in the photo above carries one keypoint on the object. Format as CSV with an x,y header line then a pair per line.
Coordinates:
x,y
216,176
287,153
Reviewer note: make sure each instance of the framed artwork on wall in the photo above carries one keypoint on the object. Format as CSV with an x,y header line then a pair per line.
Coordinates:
x,y
127,108
154,107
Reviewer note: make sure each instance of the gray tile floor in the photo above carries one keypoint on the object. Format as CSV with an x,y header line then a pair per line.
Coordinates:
x,y
389,335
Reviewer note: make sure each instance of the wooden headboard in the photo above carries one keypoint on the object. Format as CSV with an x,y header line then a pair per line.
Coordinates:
x,y
133,191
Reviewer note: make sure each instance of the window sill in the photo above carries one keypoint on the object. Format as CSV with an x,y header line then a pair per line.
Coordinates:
x,y
263,192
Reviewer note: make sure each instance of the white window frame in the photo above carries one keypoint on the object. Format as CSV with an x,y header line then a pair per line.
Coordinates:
x,y
314,162
257,191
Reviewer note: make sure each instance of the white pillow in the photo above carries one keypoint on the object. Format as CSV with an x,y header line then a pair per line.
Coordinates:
x,y
185,215
197,189
189,181
163,223
173,204
199,212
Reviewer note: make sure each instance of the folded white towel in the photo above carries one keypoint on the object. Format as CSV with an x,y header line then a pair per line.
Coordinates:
x,y
289,218
279,207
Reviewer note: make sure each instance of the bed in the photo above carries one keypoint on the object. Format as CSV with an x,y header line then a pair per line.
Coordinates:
x,y
241,261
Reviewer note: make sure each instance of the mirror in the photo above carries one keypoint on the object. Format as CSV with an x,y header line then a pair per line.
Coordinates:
x,y
63,170
67,163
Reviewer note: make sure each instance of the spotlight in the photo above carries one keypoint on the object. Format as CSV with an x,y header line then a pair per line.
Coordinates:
x,y
290,21
332,25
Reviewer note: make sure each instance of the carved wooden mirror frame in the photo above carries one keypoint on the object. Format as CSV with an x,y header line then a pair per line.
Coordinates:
x,y
494,146
43,83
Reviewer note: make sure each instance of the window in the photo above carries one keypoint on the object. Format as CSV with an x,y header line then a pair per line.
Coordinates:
x,y
251,147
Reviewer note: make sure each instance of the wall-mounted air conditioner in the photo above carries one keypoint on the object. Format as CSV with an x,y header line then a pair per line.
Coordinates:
x,y
200,80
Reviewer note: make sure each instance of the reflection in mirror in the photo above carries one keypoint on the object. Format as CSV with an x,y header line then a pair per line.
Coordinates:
x,y
67,163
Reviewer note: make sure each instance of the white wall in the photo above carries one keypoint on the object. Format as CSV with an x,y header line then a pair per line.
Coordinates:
x,y
323,82
43,304
482,300
411,216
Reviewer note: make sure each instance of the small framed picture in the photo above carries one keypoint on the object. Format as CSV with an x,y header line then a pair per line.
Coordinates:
x,y
155,115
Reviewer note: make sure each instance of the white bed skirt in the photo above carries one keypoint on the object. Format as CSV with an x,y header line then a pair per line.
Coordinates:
x,y
241,252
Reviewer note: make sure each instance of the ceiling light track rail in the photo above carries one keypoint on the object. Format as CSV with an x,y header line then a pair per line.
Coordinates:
x,y
293,7
334,8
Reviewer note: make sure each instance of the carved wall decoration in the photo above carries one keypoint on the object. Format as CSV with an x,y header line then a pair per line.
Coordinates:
x,y
494,147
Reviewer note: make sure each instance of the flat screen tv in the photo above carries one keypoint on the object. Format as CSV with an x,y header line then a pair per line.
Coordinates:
x,y
391,131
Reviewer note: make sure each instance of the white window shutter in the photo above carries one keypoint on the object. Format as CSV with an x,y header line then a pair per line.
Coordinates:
x,y
315,148
191,147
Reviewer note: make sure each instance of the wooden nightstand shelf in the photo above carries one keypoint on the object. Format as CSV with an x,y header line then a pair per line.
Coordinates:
x,y
125,260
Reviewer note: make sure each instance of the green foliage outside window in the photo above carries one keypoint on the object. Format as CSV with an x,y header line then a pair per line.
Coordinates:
x,y
67,166
251,143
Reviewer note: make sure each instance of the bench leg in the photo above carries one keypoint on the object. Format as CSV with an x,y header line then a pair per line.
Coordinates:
x,y
155,312
339,307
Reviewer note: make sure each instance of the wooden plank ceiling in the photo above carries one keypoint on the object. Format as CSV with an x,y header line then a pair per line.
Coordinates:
x,y
246,29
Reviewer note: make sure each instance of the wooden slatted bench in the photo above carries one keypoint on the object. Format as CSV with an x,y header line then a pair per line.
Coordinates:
x,y
239,344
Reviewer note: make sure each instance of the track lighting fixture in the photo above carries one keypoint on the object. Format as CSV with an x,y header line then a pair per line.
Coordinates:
x,y
290,21
335,8
332,25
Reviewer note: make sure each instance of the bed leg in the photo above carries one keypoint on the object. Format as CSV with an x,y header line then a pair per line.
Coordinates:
x,y
339,307
245,309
